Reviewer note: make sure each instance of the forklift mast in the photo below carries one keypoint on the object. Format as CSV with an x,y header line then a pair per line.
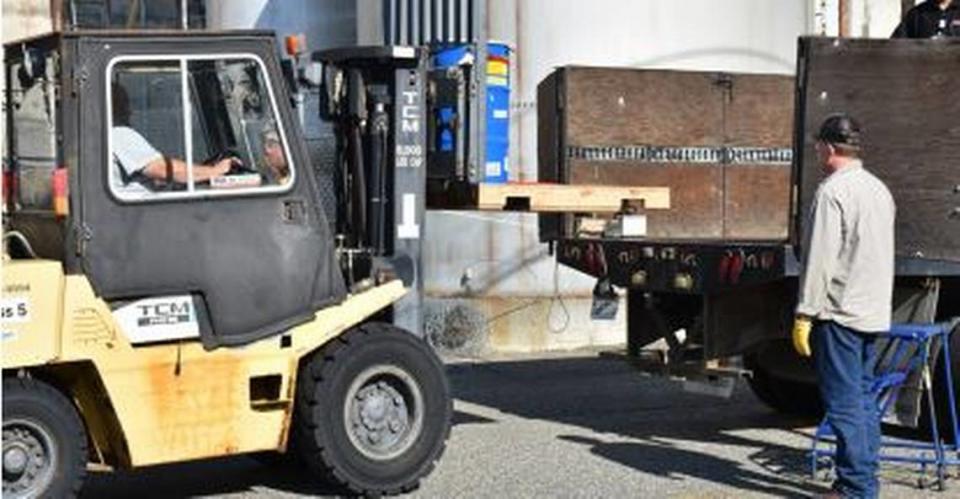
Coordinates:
x,y
375,97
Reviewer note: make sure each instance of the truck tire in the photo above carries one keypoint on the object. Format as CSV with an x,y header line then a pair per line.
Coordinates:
x,y
784,395
44,441
373,410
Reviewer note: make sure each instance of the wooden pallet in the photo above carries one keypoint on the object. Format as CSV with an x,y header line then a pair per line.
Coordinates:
x,y
550,198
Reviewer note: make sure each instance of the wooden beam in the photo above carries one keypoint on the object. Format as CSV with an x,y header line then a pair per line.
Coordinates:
x,y
557,198
546,198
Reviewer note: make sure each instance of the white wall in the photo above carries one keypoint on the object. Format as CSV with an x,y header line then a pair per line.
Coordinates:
x,y
873,18
333,24
25,18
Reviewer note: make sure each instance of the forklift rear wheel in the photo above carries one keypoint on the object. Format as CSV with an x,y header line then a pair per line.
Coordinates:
x,y
373,410
44,441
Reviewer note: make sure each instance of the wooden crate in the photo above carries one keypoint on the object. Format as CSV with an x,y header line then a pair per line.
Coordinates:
x,y
904,93
595,123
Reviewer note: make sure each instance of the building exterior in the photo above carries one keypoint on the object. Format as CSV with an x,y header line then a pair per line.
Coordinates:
x,y
494,285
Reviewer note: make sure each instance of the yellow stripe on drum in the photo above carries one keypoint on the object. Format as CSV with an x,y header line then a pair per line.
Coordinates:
x,y
497,68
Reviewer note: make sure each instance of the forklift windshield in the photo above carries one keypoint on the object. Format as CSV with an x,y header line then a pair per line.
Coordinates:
x,y
179,125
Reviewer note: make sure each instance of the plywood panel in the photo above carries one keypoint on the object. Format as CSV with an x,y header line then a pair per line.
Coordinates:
x,y
696,195
615,106
596,118
549,136
757,196
548,129
931,214
904,94
760,111
757,202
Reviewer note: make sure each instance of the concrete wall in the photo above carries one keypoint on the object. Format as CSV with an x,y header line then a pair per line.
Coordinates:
x,y
25,18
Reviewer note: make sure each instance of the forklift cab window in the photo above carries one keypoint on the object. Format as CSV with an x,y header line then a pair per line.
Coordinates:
x,y
188,126
32,151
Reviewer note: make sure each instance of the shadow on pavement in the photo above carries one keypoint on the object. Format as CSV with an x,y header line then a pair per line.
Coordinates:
x,y
209,477
607,396
229,475
669,461
600,395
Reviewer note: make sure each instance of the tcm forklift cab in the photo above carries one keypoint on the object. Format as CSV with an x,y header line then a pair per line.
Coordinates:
x,y
160,308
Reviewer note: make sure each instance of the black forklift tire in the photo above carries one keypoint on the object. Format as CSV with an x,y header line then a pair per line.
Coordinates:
x,y
786,396
373,410
44,441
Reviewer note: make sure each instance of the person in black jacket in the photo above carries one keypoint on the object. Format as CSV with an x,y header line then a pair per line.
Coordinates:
x,y
931,19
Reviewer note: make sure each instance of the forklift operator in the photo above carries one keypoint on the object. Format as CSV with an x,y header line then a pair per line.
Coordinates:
x,y
274,157
931,19
141,165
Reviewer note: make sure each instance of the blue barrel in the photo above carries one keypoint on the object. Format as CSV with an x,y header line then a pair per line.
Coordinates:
x,y
496,169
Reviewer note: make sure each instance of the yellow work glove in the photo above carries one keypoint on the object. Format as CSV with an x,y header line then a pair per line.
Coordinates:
x,y
801,335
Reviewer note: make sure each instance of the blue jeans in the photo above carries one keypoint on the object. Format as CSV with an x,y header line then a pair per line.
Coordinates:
x,y
845,360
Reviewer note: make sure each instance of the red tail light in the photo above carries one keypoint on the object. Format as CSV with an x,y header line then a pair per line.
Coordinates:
x,y
736,268
595,260
724,269
61,193
9,187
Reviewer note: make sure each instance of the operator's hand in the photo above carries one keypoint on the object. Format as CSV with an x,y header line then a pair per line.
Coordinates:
x,y
801,335
223,166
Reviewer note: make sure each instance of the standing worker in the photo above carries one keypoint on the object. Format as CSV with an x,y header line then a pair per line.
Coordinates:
x,y
846,290
931,19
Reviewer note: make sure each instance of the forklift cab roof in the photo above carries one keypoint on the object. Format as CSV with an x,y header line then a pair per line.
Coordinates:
x,y
152,34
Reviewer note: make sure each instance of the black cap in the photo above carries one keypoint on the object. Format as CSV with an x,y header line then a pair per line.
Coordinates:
x,y
840,129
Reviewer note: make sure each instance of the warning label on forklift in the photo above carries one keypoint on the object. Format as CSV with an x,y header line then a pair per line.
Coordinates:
x,y
14,310
159,319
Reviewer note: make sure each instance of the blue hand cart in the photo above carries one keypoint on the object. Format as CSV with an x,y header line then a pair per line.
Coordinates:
x,y
908,351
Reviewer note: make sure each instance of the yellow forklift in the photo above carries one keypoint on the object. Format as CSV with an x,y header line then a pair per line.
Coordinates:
x,y
180,281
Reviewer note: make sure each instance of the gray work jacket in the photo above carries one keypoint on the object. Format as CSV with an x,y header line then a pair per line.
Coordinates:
x,y
848,252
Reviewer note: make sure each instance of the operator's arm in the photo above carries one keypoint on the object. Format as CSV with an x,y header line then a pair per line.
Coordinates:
x,y
136,155
821,253
157,170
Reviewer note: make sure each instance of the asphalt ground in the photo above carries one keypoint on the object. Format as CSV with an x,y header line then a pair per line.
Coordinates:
x,y
564,426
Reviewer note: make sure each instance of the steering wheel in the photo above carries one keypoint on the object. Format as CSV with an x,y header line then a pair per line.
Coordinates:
x,y
237,168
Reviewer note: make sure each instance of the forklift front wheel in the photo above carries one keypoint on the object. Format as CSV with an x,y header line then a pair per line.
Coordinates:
x,y
373,410
44,442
